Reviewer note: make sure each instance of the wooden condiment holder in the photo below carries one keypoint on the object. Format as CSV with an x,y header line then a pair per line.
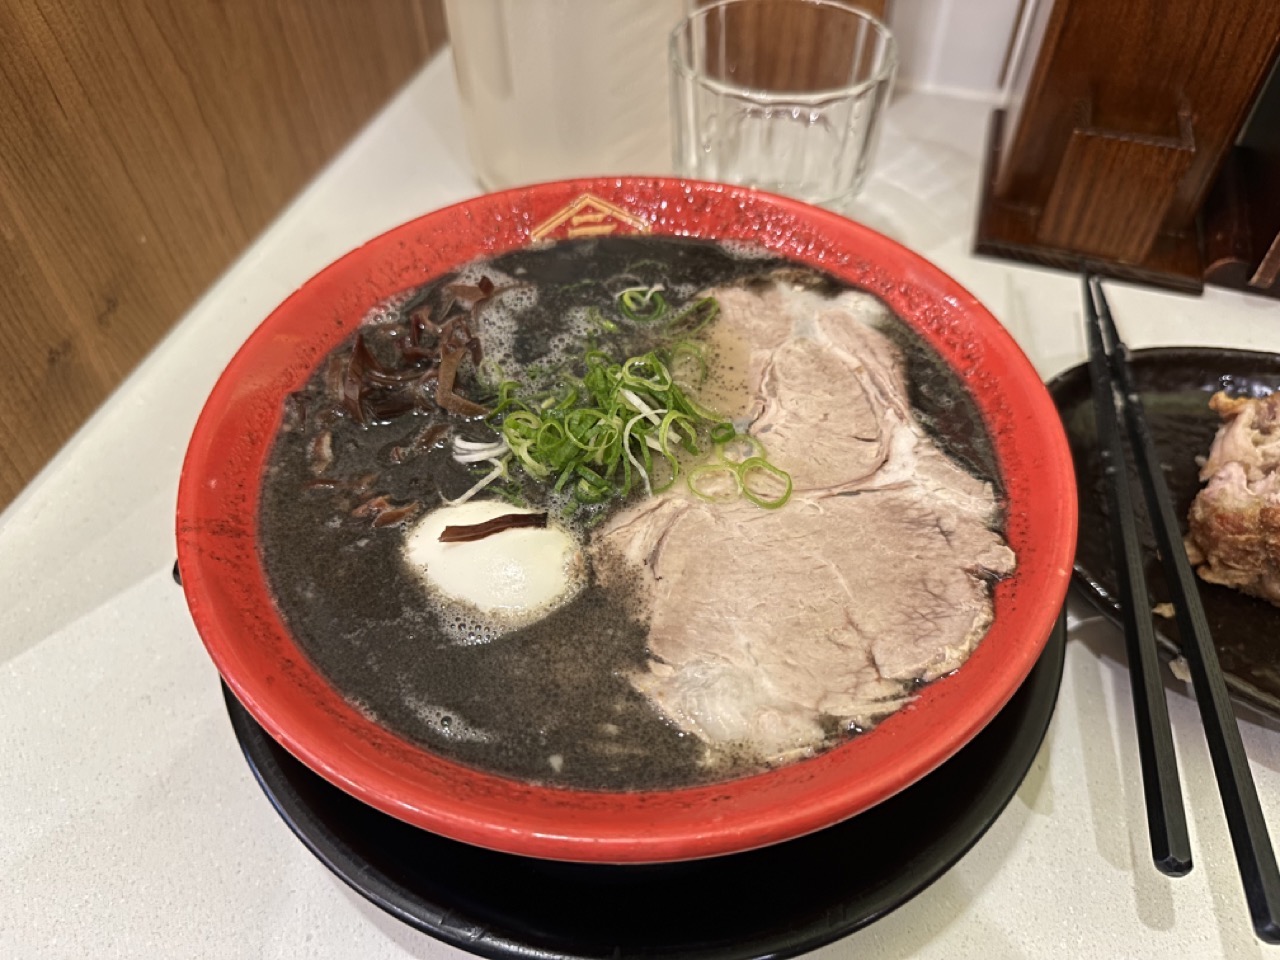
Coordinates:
x,y
1118,148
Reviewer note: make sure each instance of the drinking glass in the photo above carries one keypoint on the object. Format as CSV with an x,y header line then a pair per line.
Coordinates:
x,y
785,95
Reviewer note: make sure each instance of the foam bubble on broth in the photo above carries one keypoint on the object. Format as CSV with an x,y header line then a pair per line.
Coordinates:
x,y
446,722
742,250
498,320
388,311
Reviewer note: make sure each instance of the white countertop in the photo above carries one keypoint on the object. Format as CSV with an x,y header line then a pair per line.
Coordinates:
x,y
130,825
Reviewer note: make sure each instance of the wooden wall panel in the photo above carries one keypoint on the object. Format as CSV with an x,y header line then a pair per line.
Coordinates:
x,y
742,46
143,145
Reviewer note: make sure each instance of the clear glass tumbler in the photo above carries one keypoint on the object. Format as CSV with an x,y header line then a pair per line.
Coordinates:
x,y
784,95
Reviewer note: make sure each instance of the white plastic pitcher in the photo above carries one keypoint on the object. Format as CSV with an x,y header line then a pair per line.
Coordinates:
x,y
563,88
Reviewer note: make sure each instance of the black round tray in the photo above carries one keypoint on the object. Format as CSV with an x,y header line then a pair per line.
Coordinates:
x,y
775,902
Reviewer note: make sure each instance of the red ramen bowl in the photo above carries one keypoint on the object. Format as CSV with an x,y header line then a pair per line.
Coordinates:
x,y
232,606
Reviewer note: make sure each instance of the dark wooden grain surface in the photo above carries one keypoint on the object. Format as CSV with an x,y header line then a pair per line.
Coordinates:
x,y
1103,172
1011,231
1137,65
1119,122
144,144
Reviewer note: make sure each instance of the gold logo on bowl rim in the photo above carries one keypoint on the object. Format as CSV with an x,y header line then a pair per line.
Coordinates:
x,y
589,216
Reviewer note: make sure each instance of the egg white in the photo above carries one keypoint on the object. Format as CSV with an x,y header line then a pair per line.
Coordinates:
x,y
513,577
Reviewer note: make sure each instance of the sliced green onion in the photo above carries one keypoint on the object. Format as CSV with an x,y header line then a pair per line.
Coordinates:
x,y
693,318
751,464
689,431
661,480
740,449
697,476
643,304
597,319
625,424
647,372
684,354
722,433
565,475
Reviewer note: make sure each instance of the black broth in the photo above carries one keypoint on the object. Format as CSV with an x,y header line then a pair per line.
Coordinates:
x,y
549,702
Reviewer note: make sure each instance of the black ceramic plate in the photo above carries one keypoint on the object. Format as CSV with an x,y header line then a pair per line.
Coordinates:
x,y
773,902
1176,384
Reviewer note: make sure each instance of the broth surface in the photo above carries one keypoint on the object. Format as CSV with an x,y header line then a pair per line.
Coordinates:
x,y
549,702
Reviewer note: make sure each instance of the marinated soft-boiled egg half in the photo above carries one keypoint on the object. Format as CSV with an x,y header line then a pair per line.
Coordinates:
x,y
512,577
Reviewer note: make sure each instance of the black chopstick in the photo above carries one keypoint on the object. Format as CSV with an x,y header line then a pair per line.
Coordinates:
x,y
1255,856
1166,816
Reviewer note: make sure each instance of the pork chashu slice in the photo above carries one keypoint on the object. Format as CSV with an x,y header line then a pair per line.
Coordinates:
x,y
770,630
